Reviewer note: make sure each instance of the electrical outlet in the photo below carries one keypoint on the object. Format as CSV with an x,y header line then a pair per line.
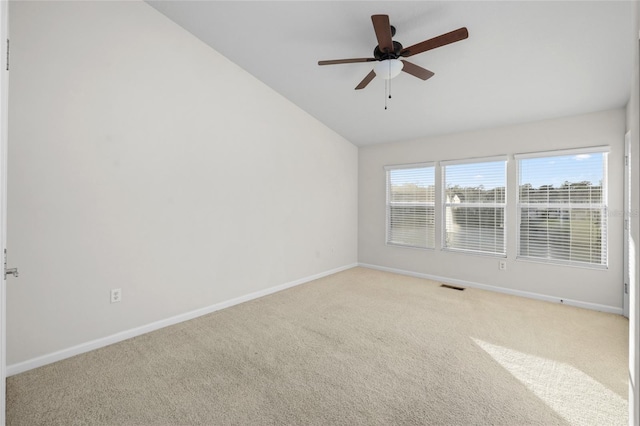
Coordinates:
x,y
116,295
502,265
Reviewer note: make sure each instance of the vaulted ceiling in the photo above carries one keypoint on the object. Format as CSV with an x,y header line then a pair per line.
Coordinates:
x,y
523,61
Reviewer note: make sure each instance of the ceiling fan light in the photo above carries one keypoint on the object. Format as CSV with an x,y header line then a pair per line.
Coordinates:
x,y
389,68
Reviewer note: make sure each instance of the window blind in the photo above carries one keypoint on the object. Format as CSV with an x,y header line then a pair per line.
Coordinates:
x,y
411,205
562,207
474,205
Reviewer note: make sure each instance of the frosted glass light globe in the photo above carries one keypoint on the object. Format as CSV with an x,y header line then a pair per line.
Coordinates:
x,y
389,68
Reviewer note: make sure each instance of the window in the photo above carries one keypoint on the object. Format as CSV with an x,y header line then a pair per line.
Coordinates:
x,y
474,205
411,205
562,206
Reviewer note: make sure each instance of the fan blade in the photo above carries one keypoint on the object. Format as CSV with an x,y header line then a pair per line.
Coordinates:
x,y
382,27
441,40
346,61
366,80
416,71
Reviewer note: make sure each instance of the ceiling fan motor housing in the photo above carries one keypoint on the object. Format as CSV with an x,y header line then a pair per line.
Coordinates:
x,y
381,56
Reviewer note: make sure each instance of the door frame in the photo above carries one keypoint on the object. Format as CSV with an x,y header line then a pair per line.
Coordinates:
x,y
4,108
627,225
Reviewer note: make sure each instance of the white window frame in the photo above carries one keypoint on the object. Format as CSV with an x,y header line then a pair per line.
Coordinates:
x,y
444,204
604,206
389,204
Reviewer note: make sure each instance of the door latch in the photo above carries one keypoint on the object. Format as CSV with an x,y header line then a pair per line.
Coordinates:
x,y
11,271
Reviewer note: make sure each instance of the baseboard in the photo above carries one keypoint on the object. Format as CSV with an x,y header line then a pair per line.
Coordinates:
x,y
537,296
127,334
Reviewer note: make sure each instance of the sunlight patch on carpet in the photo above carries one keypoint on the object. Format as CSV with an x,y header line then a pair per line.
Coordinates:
x,y
571,393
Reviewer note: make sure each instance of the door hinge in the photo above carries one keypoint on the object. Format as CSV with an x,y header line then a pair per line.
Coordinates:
x,y
626,288
7,54
626,161
9,271
626,224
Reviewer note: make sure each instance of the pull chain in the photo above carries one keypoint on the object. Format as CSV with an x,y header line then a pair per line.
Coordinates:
x,y
387,88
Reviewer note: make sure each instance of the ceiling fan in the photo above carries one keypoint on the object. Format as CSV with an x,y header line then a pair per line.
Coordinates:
x,y
388,52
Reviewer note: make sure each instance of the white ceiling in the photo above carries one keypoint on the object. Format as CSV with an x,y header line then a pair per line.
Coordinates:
x,y
523,61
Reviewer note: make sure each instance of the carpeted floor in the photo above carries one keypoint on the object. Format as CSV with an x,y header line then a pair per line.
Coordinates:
x,y
361,347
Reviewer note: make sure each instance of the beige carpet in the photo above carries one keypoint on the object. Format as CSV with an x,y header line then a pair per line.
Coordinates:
x,y
361,347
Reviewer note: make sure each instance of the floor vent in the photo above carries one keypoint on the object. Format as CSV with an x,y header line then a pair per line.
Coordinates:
x,y
452,287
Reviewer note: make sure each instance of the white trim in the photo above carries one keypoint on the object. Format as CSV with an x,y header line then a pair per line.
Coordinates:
x,y
529,295
563,152
626,227
493,159
4,120
410,166
128,334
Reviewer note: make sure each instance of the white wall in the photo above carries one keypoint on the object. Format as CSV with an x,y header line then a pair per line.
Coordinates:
x,y
142,159
600,289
